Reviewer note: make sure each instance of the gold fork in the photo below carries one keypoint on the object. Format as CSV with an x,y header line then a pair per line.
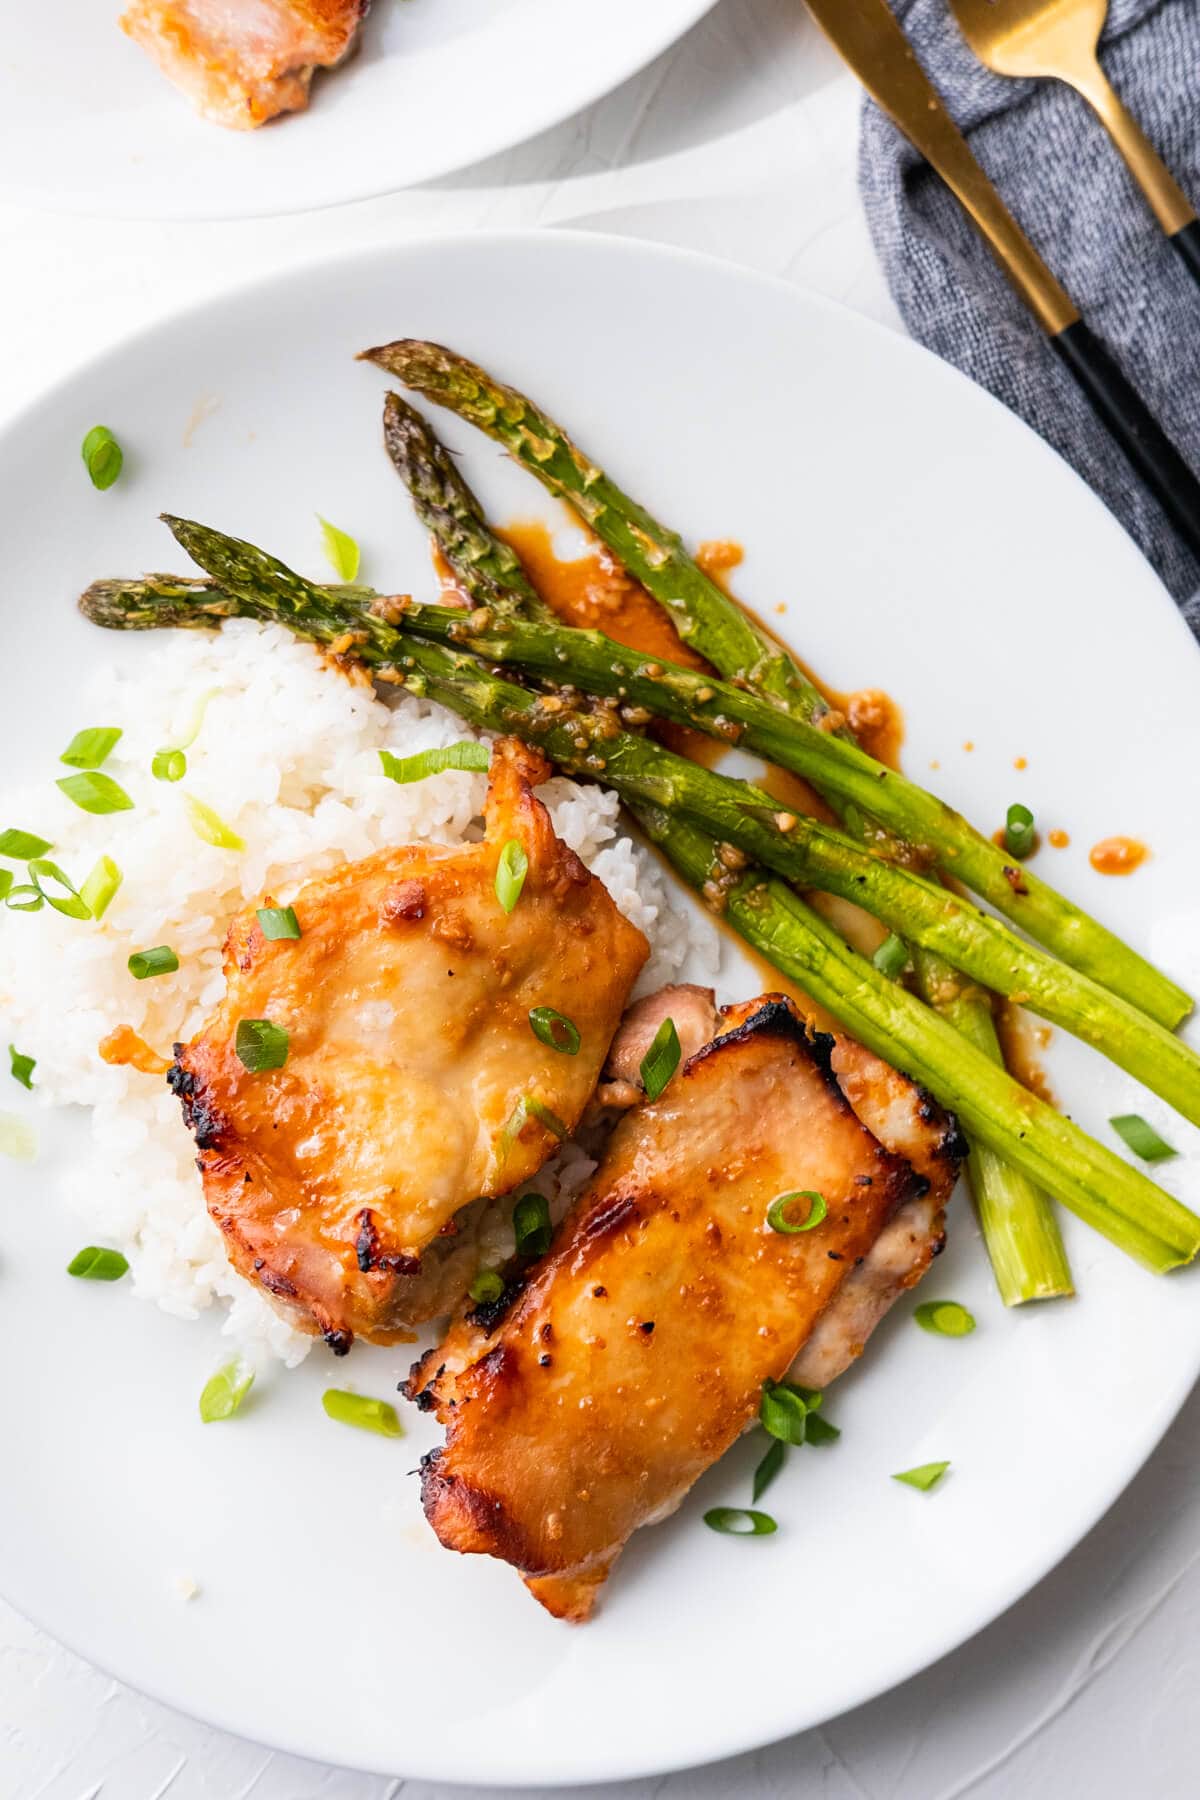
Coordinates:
x,y
1060,38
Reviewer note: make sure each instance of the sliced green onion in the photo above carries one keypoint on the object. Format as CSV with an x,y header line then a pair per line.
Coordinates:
x,y
94,792
17,1138
360,1410
555,1029
21,845
211,826
70,903
925,1477
88,749
223,1393
1020,838
891,958
1142,1138
779,1213
467,755
278,922
188,737
96,1264
818,1430
22,1067
511,871
34,904
531,1225
487,1286
661,1059
740,1521
162,960
782,1413
768,1468
812,1397
98,890
6,881
526,1108
945,1318
261,1045
342,551
168,765
102,456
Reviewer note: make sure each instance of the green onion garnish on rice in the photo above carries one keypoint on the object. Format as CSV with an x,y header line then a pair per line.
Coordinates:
x,y
22,1067
69,902
210,826
162,960
94,792
101,885
21,845
89,748
360,1410
467,755
168,765
97,1264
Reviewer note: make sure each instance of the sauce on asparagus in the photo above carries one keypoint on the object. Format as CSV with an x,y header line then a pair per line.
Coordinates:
x,y
1117,855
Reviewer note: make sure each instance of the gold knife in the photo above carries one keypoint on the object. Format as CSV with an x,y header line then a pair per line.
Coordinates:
x,y
868,37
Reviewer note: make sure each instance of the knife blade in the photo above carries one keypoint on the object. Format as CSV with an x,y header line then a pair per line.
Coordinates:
x,y
869,39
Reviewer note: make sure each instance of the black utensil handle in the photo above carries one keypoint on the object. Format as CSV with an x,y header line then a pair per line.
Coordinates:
x,y
1187,241
1121,408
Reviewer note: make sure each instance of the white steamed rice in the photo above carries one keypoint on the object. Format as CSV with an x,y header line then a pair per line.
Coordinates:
x,y
288,757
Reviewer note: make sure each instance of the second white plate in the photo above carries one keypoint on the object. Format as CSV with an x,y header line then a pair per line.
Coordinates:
x,y
88,125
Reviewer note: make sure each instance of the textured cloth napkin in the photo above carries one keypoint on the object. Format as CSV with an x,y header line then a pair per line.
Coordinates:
x,y
1060,174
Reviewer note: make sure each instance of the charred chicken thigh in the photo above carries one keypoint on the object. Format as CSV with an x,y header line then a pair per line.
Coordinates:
x,y
414,1085
588,1402
243,61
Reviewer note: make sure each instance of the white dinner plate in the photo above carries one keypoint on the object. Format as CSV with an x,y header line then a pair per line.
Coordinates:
x,y
920,539
89,125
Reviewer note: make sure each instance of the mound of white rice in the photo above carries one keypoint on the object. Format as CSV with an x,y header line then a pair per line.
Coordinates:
x,y
287,756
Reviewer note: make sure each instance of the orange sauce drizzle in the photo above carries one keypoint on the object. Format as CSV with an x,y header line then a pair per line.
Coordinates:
x,y
1117,855
124,1047
1058,839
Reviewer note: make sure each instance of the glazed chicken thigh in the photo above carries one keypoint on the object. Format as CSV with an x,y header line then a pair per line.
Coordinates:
x,y
243,63
414,1085
588,1400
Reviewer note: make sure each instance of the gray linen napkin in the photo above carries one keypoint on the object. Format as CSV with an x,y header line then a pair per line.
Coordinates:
x,y
1059,173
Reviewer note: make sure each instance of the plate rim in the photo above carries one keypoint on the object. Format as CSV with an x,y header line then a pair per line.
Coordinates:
x,y
563,102
788,1721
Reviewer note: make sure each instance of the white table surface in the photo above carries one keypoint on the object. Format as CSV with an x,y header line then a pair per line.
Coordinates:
x,y
740,141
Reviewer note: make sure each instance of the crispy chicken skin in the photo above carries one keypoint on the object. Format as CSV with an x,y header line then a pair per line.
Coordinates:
x,y
336,1179
243,61
902,1116
638,1349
